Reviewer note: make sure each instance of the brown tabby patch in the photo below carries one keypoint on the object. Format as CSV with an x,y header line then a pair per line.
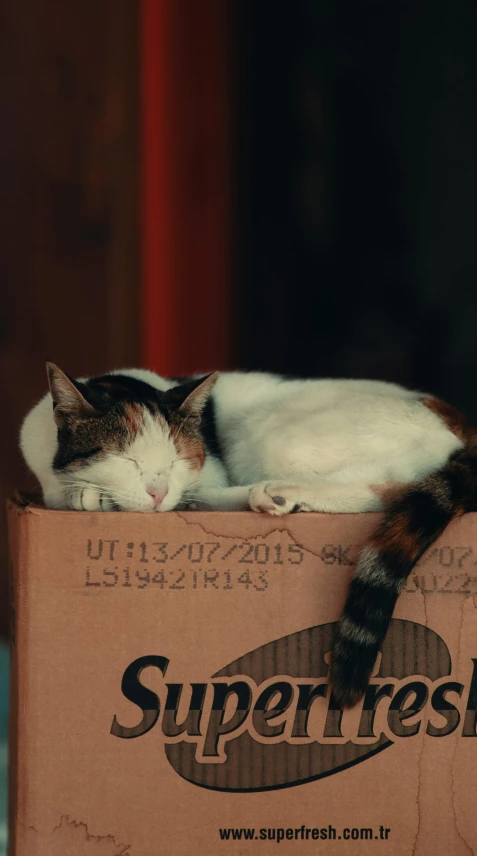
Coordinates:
x,y
387,492
451,417
396,535
404,542
79,440
189,447
133,417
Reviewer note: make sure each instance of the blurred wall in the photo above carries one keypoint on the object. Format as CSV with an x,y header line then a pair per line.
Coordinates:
x,y
358,191
68,218
116,185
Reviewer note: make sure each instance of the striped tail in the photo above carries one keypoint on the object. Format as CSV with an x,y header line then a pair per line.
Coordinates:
x,y
412,522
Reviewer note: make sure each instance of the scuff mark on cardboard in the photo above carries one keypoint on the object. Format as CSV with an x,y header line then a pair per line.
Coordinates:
x,y
72,838
421,752
454,757
418,796
261,536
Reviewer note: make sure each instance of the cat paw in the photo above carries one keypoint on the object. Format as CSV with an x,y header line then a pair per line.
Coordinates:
x,y
276,498
89,499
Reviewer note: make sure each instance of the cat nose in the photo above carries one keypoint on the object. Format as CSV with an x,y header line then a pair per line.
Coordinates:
x,y
157,494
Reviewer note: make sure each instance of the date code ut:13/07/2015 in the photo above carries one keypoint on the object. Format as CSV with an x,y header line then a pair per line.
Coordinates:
x,y
187,566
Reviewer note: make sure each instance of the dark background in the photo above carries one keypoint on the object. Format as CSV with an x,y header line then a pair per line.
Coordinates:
x,y
321,204
358,207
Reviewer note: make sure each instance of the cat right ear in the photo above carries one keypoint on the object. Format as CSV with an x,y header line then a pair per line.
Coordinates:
x,y
68,399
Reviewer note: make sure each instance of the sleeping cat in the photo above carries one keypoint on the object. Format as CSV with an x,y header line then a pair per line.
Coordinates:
x,y
133,441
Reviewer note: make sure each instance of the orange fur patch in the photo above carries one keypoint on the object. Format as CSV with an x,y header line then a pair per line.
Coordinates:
x,y
133,417
450,416
397,535
387,492
190,448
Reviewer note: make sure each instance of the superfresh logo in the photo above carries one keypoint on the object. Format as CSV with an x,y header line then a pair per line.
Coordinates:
x,y
263,723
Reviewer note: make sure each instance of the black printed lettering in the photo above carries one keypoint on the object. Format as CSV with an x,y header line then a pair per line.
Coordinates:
x,y
127,576
343,558
217,724
159,579
446,557
210,579
398,714
228,584
264,711
464,587
262,554
97,548
180,578
334,719
294,550
307,694
162,550
262,579
144,578
470,719
179,551
191,724
230,551
245,560
245,579
373,696
113,575
465,552
328,554
196,552
89,581
215,545
139,695
444,708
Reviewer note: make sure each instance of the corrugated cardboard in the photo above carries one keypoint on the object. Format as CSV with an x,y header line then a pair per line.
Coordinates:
x,y
169,690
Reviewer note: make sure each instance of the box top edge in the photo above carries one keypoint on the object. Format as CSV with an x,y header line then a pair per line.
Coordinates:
x,y
26,504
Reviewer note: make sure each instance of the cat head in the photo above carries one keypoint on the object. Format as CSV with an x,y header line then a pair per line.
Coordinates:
x,y
125,445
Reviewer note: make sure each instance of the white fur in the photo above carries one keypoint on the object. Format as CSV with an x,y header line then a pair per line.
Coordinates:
x,y
321,445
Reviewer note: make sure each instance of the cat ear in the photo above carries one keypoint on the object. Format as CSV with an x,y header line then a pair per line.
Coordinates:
x,y
189,399
67,397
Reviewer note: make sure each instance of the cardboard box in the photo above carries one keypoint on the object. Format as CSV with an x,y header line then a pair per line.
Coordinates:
x,y
169,690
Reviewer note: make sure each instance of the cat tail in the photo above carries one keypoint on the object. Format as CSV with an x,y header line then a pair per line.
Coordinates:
x,y
413,520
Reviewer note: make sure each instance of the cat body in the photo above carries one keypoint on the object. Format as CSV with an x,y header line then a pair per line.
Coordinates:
x,y
134,441
330,445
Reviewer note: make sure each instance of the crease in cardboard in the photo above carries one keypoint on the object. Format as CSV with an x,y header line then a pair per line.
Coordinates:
x,y
21,558
72,838
418,795
423,599
454,757
281,530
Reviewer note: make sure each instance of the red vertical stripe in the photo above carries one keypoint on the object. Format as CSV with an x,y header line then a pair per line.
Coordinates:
x,y
157,325
185,186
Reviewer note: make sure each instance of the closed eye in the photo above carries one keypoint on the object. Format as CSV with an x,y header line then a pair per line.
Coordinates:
x,y
124,458
83,456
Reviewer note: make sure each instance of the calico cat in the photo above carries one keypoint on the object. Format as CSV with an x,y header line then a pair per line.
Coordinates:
x,y
133,441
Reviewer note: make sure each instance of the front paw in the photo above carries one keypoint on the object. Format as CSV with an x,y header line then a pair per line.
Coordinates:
x,y
276,498
89,499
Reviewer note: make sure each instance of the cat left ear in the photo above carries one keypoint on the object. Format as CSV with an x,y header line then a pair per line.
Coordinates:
x,y
67,396
190,398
